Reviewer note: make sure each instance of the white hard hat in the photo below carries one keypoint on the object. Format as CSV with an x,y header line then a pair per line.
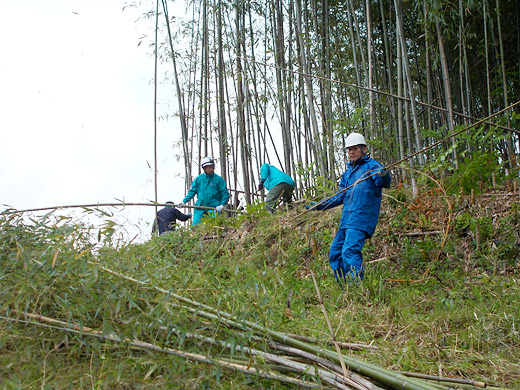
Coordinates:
x,y
206,161
354,139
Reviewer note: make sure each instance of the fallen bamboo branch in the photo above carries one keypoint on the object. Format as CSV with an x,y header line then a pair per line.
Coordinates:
x,y
470,382
152,347
323,362
418,234
351,346
377,260
293,366
122,204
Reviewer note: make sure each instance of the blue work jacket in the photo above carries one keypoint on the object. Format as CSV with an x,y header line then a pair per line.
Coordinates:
x,y
167,219
211,191
272,176
361,201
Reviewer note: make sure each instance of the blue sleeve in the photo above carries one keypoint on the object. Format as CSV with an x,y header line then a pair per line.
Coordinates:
x,y
180,216
381,182
193,190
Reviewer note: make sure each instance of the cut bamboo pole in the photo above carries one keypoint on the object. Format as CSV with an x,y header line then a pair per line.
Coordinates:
x,y
445,379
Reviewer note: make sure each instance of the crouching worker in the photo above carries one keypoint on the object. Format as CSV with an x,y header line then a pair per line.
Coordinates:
x,y
166,219
361,201
279,185
210,189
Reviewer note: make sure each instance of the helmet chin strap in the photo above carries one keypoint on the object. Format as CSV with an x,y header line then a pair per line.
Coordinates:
x,y
363,154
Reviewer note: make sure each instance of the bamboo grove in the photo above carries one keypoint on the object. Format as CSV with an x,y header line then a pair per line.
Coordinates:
x,y
284,82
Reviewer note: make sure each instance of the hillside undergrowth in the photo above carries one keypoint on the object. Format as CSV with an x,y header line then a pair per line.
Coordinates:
x,y
440,297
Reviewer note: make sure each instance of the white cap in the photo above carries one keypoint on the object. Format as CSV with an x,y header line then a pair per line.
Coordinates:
x,y
206,161
354,139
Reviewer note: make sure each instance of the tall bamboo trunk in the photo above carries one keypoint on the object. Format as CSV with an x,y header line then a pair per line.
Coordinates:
x,y
327,88
407,76
313,139
447,92
182,118
223,142
509,137
370,70
350,17
241,122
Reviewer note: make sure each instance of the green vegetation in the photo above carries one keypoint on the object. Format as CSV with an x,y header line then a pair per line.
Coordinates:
x,y
431,303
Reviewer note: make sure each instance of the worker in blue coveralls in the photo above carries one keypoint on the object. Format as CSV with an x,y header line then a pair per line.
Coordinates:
x,y
361,201
278,183
211,191
167,217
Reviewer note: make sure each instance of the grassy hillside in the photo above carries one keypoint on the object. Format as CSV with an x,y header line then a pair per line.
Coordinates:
x,y
441,297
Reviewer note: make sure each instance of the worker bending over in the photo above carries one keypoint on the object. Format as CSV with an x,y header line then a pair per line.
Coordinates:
x,y
279,185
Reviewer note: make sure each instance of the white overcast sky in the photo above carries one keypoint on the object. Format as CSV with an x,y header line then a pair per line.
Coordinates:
x,y
76,107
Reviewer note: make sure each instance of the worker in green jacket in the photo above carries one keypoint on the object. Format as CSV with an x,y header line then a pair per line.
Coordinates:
x,y
278,184
211,191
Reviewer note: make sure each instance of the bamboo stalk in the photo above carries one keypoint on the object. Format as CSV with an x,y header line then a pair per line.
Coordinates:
x,y
322,361
351,346
445,379
326,376
12,211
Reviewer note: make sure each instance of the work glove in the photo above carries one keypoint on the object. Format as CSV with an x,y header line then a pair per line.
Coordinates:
x,y
382,172
310,205
260,185
219,208
189,215
182,204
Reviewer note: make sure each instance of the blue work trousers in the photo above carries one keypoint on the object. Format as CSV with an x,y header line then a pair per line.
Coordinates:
x,y
199,213
345,256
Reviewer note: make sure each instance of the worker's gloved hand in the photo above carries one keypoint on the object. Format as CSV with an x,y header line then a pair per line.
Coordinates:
x,y
310,205
219,208
182,204
382,172
260,185
189,215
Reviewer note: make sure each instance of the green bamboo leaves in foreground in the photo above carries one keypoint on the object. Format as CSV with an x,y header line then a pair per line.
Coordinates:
x,y
51,282
177,311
